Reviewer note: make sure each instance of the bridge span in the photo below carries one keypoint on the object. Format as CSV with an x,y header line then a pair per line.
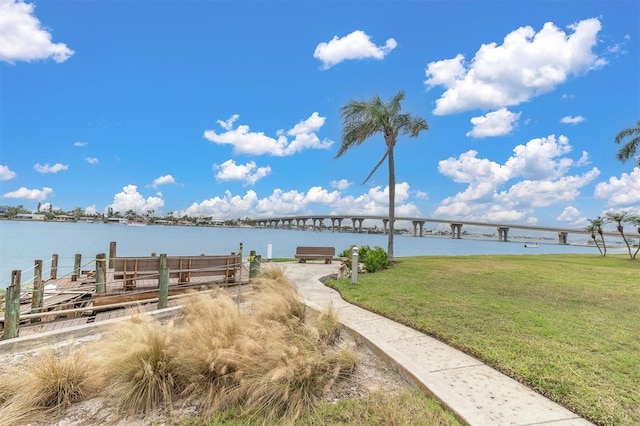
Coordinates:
x,y
318,224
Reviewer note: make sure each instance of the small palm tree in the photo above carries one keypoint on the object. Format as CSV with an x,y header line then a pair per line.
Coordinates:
x,y
597,223
635,220
618,218
591,228
630,147
363,119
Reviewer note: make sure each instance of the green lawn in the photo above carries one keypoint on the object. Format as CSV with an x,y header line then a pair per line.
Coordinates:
x,y
566,325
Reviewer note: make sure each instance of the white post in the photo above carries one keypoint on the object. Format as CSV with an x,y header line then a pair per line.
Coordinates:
x,y
269,247
354,265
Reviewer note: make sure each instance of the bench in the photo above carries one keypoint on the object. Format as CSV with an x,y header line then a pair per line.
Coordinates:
x,y
315,253
131,269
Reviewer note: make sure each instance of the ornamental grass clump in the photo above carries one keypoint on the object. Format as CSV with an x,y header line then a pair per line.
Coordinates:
x,y
262,359
139,361
209,347
48,387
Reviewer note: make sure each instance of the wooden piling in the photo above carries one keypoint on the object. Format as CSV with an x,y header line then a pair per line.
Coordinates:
x,y
112,254
76,267
163,290
54,267
12,308
101,273
37,298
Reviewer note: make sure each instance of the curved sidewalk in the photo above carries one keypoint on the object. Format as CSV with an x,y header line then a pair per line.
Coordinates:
x,y
476,393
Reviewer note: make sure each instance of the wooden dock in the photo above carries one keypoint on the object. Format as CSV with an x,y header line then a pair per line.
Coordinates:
x,y
75,300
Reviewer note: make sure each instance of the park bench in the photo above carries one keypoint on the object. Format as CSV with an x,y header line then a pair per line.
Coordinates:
x,y
132,269
315,253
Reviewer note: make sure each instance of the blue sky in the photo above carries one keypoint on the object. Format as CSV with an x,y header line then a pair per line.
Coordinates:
x,y
232,109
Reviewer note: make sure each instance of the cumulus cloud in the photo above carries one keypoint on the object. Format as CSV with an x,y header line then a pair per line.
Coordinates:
x,y
621,192
527,64
46,168
536,175
6,173
130,199
163,180
496,123
91,160
571,216
303,136
293,202
357,45
341,184
91,210
248,173
30,194
572,120
22,37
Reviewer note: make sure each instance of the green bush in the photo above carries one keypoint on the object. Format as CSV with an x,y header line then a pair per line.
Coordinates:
x,y
373,259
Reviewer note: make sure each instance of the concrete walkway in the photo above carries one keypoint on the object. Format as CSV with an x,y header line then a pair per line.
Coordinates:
x,y
476,393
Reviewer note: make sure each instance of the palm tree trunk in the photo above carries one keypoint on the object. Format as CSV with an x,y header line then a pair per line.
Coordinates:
x,y
392,202
624,238
604,245
595,240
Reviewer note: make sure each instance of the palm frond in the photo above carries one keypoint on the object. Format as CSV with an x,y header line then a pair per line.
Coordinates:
x,y
384,157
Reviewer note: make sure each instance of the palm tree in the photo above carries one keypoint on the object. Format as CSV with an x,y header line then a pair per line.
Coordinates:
x,y
598,222
618,218
591,228
363,119
635,220
630,147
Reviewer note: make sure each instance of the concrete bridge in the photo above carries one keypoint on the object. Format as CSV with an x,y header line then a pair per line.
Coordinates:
x,y
318,224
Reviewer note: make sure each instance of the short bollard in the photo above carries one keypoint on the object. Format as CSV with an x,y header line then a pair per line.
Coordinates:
x,y
254,264
354,265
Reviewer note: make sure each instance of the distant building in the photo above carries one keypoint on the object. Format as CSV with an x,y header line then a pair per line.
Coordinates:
x,y
3,212
30,216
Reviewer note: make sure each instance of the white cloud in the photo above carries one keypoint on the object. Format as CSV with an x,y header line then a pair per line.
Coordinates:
x,y
572,120
341,184
248,173
91,160
46,168
537,174
130,199
30,194
621,192
495,123
227,206
257,143
80,144
91,210
527,64
541,158
22,38
163,180
422,195
293,202
356,45
571,216
6,173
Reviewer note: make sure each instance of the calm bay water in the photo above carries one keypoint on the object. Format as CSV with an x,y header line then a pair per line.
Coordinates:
x,y
22,242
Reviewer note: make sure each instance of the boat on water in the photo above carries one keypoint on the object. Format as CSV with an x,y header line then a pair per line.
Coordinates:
x,y
530,245
136,223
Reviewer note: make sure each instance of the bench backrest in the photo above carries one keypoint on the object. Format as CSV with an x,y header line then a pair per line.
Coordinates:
x,y
204,265
137,264
195,265
328,251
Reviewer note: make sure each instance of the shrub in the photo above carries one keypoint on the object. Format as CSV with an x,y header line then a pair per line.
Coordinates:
x,y
373,259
